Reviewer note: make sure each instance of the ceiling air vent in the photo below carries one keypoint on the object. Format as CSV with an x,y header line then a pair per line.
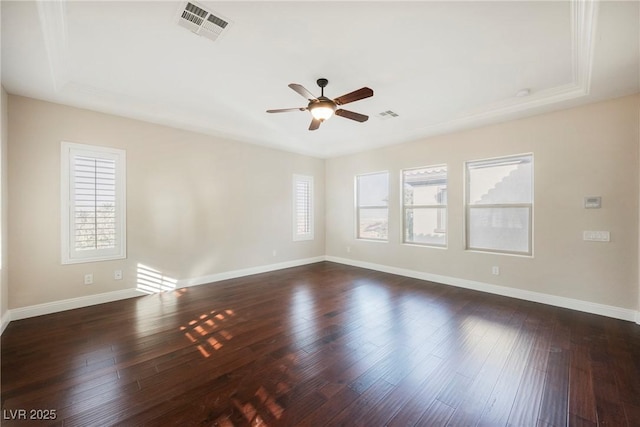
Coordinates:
x,y
201,21
387,115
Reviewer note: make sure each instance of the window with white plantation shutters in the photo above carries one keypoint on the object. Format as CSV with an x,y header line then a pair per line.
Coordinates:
x,y
302,207
93,203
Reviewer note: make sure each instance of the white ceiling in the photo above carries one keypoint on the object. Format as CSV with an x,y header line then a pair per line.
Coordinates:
x,y
441,66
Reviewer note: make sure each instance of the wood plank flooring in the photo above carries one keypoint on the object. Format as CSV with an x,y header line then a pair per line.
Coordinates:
x,y
322,345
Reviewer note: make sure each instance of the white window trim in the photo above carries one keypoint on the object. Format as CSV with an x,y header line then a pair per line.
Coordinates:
x,y
296,235
357,208
467,207
68,255
404,208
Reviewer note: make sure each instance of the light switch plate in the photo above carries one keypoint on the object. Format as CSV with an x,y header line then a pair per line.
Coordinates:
x,y
596,236
592,202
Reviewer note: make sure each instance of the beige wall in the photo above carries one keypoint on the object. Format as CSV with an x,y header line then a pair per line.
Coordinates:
x,y
4,276
586,151
187,194
196,205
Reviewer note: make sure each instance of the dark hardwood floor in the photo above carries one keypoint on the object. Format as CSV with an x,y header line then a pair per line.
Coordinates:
x,y
322,345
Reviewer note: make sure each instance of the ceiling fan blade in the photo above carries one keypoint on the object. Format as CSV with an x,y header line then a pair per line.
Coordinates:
x,y
302,91
356,95
315,124
351,115
286,110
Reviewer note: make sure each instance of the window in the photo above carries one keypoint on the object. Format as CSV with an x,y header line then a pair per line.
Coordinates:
x,y
424,205
302,207
372,206
500,205
93,203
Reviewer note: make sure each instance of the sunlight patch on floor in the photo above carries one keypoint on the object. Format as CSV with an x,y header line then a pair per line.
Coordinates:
x,y
206,331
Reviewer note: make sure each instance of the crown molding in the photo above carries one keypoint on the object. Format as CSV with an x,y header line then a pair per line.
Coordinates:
x,y
53,22
583,19
584,16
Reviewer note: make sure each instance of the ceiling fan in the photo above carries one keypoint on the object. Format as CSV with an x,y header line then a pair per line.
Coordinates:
x,y
322,108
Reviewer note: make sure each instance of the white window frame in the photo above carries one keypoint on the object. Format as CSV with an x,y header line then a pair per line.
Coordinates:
x,y
358,207
468,206
297,235
437,206
68,253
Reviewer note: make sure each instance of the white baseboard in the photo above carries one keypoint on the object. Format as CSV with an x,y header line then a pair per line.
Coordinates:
x,y
4,322
246,272
558,301
574,304
69,304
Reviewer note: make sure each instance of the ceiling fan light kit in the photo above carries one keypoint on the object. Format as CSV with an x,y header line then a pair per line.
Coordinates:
x,y
322,108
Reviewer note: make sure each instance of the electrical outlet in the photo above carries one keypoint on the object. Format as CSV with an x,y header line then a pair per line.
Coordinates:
x,y
274,253
495,270
117,275
88,279
348,249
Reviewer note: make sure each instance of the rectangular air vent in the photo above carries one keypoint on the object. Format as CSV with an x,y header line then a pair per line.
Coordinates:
x,y
387,114
201,21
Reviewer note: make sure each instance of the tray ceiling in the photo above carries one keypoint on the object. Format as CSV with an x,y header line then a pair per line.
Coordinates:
x,y
439,66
